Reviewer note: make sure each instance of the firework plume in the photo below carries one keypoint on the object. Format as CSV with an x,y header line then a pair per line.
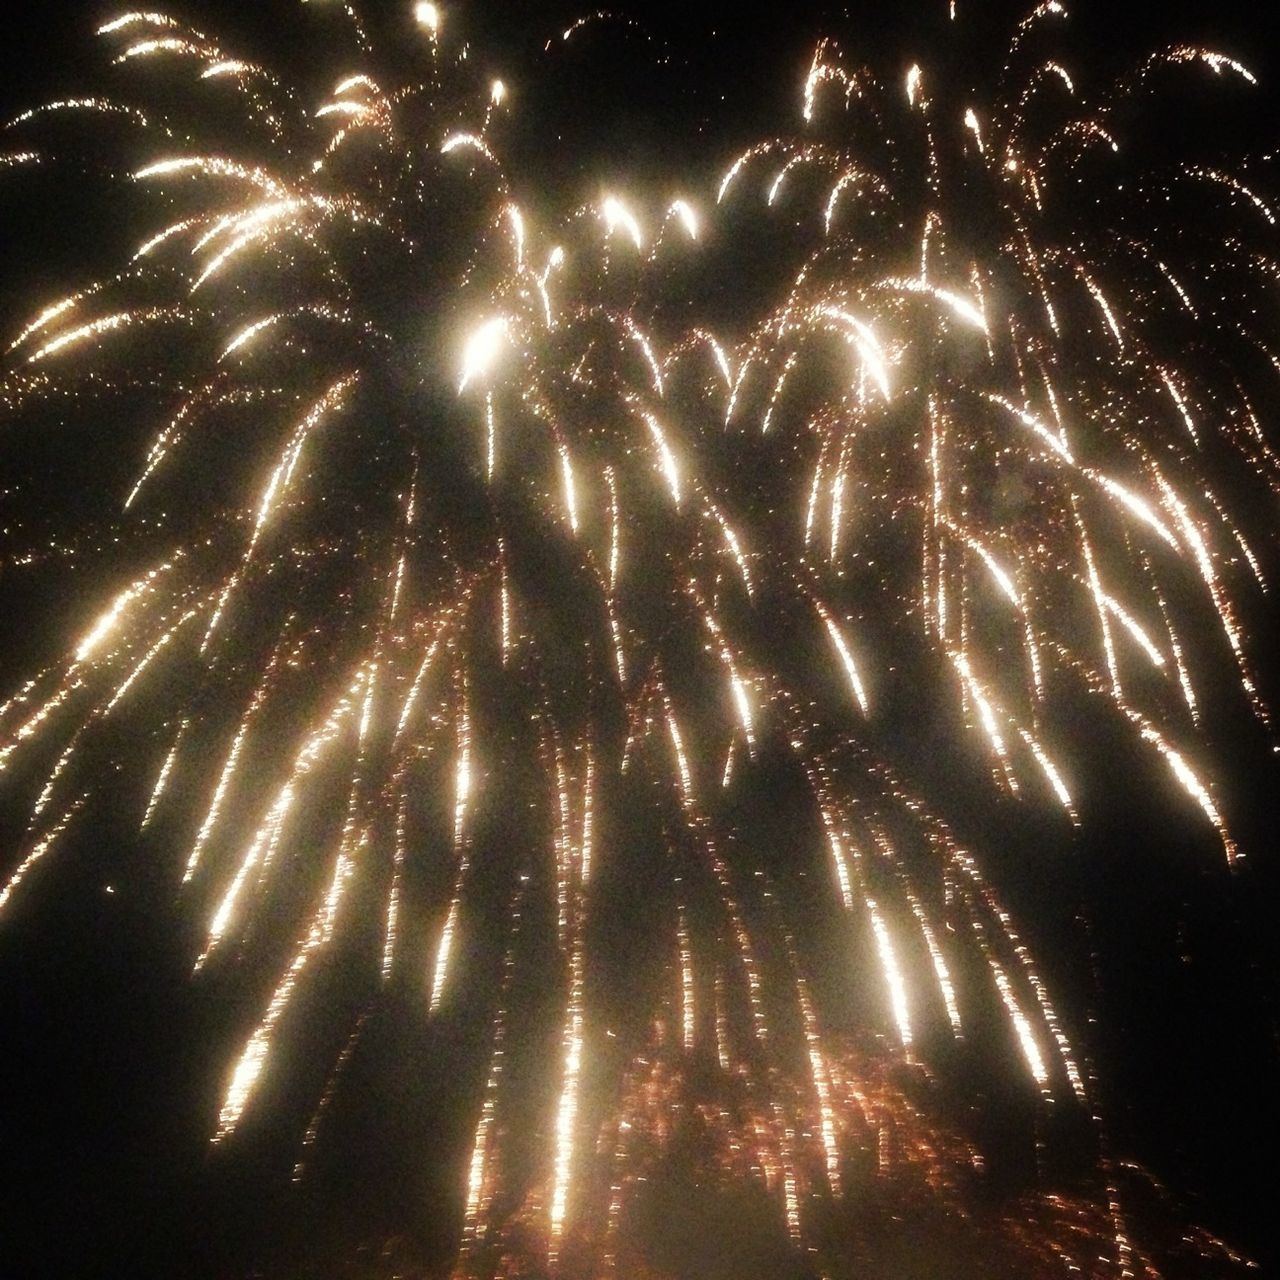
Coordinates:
x,y
448,607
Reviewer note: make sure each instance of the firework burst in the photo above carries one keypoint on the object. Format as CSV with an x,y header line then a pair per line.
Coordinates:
x,y
466,611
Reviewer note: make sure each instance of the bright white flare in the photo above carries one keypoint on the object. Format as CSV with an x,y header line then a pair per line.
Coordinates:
x,y
616,214
483,348
427,16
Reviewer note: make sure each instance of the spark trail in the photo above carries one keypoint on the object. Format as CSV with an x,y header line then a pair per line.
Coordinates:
x,y
463,566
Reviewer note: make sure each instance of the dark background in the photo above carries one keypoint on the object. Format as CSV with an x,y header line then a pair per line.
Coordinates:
x,y
106,1082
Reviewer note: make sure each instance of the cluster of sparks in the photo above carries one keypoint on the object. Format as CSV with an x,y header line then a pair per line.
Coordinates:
x,y
546,595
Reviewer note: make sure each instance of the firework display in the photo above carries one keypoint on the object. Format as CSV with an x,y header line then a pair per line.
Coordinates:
x,y
464,604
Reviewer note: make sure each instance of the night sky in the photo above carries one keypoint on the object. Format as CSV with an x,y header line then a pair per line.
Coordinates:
x,y
1163,962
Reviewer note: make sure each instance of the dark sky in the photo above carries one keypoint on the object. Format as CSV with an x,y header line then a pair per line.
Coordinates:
x,y
106,1083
